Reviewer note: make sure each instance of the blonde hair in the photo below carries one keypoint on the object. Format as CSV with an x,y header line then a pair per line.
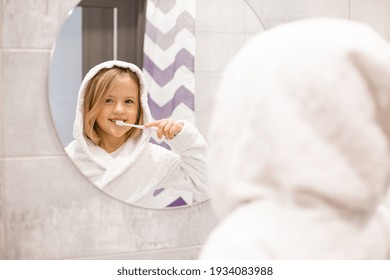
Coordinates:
x,y
95,94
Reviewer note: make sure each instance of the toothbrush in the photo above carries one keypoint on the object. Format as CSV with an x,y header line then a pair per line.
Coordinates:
x,y
121,123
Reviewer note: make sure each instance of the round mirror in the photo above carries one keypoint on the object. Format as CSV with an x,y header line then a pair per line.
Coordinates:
x,y
155,64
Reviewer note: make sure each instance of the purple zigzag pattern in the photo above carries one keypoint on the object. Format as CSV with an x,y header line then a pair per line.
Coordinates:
x,y
164,5
182,96
165,40
162,144
162,77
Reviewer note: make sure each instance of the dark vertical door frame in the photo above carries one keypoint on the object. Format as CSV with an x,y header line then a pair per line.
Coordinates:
x,y
98,31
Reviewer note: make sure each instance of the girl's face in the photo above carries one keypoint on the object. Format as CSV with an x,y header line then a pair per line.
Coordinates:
x,y
120,104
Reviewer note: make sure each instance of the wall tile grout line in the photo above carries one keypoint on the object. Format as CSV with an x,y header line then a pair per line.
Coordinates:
x,y
33,157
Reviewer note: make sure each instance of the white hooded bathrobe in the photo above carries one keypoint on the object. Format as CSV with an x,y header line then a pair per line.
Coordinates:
x,y
143,173
299,146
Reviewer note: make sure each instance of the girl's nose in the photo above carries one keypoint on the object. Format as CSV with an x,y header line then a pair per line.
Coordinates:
x,y
118,108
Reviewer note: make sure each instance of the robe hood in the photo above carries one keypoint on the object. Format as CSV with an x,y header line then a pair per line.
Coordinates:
x,y
78,128
139,172
307,106
90,149
299,152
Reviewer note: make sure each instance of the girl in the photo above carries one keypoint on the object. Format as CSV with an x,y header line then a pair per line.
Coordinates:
x,y
120,160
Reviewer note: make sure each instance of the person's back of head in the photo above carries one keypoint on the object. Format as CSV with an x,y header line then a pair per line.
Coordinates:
x,y
299,145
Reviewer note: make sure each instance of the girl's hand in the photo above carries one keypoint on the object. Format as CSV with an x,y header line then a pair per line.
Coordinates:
x,y
167,127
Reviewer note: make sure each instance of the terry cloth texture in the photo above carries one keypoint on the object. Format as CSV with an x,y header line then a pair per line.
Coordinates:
x,y
303,170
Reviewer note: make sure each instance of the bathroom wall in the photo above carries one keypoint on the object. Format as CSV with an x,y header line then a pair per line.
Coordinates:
x,y
48,210
219,35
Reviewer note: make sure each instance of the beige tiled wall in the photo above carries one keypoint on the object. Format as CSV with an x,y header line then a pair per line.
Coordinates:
x,y
374,12
25,110
219,35
47,208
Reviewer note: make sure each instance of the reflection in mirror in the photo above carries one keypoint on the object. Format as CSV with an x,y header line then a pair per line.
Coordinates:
x,y
91,87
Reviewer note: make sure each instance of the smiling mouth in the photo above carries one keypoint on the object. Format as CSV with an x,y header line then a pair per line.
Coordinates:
x,y
115,120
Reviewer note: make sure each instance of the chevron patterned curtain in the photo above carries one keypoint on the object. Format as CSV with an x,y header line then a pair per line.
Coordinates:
x,y
169,50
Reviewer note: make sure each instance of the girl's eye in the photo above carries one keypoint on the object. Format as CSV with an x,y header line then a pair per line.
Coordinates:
x,y
129,101
108,101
